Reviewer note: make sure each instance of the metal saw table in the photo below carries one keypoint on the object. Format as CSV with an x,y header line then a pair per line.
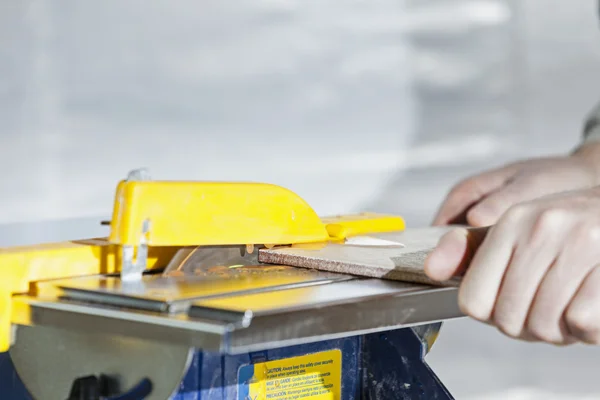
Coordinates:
x,y
243,331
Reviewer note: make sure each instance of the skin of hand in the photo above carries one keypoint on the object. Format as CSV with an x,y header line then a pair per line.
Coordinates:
x,y
535,274
480,200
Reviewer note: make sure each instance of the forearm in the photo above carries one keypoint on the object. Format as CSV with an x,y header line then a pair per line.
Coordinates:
x,y
591,128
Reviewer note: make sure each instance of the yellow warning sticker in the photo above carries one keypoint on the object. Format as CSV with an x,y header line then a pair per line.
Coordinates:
x,y
314,376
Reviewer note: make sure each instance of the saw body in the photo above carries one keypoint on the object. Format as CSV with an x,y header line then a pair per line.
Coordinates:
x,y
223,267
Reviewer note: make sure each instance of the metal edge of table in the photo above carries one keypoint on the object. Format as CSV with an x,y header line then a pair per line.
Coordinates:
x,y
369,315
95,318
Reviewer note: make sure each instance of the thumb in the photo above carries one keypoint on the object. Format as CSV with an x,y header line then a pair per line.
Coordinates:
x,y
454,252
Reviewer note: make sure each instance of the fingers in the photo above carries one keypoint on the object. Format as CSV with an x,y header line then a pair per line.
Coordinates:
x,y
469,192
453,253
545,320
535,274
582,317
536,249
578,255
526,276
483,279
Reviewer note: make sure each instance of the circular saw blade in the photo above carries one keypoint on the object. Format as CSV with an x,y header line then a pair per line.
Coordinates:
x,y
201,259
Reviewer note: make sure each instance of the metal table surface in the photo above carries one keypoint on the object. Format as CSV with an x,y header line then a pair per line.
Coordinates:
x,y
238,321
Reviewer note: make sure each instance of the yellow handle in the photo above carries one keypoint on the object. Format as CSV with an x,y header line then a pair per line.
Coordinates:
x,y
345,226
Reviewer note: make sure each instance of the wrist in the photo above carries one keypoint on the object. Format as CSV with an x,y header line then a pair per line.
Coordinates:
x,y
589,154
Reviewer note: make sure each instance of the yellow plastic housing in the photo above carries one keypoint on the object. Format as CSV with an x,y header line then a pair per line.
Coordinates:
x,y
206,213
21,266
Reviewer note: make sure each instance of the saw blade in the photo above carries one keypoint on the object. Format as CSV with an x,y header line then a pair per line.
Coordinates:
x,y
199,260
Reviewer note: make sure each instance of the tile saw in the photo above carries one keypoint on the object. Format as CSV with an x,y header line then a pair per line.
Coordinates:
x,y
230,268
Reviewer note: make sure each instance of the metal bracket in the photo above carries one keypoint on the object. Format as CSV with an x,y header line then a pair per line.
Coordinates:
x,y
140,174
132,270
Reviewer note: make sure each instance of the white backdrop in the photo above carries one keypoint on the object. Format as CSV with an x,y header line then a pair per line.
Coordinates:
x,y
312,95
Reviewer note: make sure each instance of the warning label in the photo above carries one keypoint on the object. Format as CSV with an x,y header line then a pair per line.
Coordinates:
x,y
311,377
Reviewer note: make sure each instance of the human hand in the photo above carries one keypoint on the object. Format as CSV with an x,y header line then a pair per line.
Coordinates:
x,y
535,275
480,200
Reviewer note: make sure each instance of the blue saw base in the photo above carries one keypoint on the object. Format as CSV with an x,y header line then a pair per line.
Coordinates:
x,y
378,366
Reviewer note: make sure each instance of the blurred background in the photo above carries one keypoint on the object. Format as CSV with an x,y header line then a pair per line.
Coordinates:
x,y
355,105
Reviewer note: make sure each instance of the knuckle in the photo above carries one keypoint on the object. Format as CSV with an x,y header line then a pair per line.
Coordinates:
x,y
507,320
552,218
509,328
584,324
593,233
540,330
473,309
587,234
547,222
516,213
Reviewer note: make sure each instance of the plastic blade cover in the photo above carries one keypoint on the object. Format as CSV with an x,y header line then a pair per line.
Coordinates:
x,y
212,213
